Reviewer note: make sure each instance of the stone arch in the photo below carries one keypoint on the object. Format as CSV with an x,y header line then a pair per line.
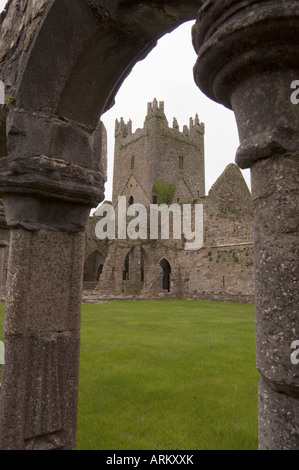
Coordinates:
x,y
101,44
64,100
48,194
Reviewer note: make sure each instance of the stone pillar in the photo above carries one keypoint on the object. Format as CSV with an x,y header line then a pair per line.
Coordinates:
x,y
247,60
47,198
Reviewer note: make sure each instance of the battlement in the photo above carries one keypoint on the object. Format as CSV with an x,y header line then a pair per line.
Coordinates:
x,y
193,132
195,126
122,128
154,107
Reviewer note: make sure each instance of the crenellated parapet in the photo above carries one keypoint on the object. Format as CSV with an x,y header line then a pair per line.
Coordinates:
x,y
123,129
154,107
194,132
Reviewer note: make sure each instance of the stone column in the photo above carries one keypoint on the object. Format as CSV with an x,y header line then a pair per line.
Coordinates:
x,y
247,60
47,198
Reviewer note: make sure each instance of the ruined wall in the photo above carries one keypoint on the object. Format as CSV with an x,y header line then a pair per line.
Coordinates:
x,y
223,269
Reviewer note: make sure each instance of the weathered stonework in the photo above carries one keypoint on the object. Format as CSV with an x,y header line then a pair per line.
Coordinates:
x,y
153,153
62,63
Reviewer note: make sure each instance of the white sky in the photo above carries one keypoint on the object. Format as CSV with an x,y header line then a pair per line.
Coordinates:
x,y
167,74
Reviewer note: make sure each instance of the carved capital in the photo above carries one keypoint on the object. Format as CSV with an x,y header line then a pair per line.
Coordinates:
x,y
53,168
247,61
236,39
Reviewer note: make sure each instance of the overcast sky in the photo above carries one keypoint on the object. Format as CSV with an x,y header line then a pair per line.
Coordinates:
x,y
167,74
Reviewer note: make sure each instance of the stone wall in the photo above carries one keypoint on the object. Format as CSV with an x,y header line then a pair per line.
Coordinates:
x,y
223,269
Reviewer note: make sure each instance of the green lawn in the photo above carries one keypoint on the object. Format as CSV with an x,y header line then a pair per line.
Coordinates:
x,y
167,375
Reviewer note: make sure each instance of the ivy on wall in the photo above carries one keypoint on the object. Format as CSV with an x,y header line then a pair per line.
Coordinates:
x,y
164,192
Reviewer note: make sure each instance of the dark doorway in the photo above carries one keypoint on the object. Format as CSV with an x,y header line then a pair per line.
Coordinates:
x,y
166,274
100,270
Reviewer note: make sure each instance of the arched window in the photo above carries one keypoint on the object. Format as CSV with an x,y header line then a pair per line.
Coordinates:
x,y
131,200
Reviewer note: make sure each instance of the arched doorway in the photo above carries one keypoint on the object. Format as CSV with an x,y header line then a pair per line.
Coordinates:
x,y
166,274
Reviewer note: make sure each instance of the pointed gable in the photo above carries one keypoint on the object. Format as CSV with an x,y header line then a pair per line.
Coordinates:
x,y
230,193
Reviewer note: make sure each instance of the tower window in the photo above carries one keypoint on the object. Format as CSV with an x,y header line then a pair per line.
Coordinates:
x,y
131,201
181,162
132,162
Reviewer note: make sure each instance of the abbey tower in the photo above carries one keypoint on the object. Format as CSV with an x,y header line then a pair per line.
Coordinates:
x,y
158,152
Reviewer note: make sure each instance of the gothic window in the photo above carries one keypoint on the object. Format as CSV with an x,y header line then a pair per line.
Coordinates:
x,y
131,201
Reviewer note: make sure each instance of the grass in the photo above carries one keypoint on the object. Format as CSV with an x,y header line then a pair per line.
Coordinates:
x,y
167,375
